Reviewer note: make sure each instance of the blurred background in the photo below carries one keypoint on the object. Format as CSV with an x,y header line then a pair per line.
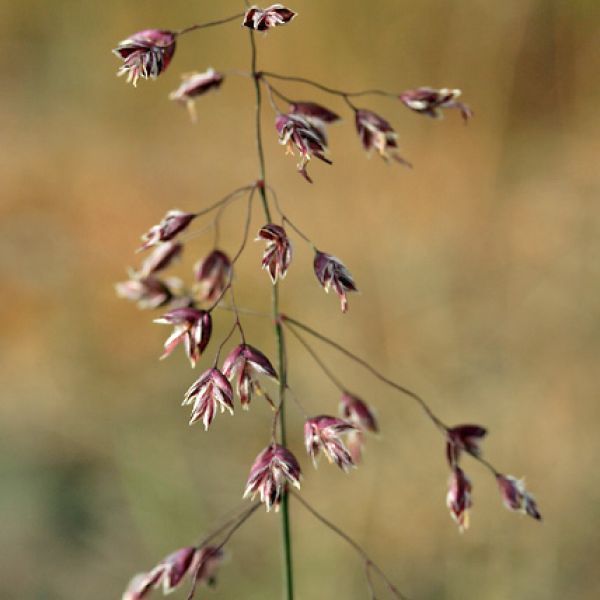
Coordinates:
x,y
478,273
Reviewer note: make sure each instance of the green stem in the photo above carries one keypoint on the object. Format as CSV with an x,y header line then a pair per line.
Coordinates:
x,y
288,577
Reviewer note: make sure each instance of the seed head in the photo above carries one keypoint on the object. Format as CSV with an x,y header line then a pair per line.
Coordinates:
x,y
515,496
356,411
209,393
306,135
331,272
458,499
429,101
200,563
145,54
243,366
193,327
377,134
148,292
173,223
464,437
194,85
213,274
312,110
261,19
272,470
325,433
278,253
161,258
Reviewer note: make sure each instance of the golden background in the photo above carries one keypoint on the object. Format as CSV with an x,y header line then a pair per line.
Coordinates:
x,y
478,273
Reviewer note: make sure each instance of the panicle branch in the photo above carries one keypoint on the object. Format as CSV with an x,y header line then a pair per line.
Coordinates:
x,y
209,24
368,561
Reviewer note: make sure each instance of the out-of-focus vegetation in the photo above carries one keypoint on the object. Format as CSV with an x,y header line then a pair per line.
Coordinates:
x,y
479,275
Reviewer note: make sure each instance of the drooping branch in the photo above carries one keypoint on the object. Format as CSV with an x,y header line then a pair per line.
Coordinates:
x,y
209,24
368,561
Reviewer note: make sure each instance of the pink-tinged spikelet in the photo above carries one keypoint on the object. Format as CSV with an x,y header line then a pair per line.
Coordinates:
x,y
272,470
515,496
429,101
324,433
242,367
332,273
262,19
213,275
209,393
278,252
376,133
193,327
458,499
463,437
145,54
306,135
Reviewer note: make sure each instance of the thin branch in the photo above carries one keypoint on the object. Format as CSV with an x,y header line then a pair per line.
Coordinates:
x,y
288,571
209,24
227,338
240,521
238,513
246,228
286,219
221,205
316,358
328,89
270,97
277,92
404,390
224,200
359,549
246,311
238,253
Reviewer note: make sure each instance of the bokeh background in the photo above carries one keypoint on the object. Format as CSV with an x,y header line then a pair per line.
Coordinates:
x,y
478,273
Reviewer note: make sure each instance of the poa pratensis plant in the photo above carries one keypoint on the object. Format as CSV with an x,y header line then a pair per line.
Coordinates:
x,y
234,381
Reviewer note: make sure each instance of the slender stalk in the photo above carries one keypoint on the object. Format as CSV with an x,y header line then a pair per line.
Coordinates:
x,y
209,24
234,527
368,562
316,358
288,577
328,89
404,390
